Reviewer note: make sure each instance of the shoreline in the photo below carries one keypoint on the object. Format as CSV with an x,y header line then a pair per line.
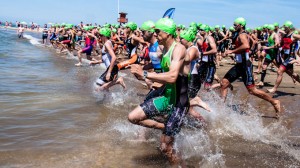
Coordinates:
x,y
25,30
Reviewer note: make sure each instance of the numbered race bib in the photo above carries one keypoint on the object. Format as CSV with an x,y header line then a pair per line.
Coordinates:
x,y
205,58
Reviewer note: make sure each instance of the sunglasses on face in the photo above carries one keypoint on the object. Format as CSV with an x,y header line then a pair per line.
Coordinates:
x,y
235,25
157,31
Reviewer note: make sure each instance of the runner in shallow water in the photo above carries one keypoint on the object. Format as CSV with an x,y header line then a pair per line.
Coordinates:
x,y
244,67
174,100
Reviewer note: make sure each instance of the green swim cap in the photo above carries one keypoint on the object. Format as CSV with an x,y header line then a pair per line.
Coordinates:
x,y
240,21
217,27
265,26
288,24
193,24
271,27
132,26
87,28
193,29
296,32
205,28
105,31
199,25
148,26
166,25
259,28
188,35
276,24
114,30
117,26
107,25
231,28
223,26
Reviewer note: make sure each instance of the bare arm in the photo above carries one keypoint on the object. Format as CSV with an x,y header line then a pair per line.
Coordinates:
x,y
175,67
113,57
213,46
166,77
296,36
244,44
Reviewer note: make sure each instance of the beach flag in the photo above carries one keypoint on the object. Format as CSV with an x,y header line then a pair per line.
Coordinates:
x,y
169,13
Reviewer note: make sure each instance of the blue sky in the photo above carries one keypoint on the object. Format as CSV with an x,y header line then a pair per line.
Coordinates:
x,y
210,12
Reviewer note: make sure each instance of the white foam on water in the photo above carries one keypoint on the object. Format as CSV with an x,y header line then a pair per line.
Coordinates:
x,y
127,130
226,122
33,40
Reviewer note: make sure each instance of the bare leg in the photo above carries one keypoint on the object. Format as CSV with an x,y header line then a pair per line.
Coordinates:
x,y
173,156
196,115
280,72
224,88
293,75
79,58
261,94
138,117
198,102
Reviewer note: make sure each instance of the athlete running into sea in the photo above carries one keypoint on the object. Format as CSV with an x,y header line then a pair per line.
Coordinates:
x,y
244,67
174,101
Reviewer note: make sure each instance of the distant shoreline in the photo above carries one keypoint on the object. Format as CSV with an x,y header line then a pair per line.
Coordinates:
x,y
25,30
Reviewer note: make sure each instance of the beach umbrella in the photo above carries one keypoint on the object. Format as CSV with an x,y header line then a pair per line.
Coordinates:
x,y
23,23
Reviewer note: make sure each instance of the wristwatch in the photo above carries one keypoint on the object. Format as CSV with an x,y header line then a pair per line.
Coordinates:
x,y
145,74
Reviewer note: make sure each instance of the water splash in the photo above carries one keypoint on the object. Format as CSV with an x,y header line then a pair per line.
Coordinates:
x,y
33,40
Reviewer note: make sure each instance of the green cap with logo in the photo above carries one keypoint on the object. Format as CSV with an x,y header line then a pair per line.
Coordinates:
x,y
166,25
148,26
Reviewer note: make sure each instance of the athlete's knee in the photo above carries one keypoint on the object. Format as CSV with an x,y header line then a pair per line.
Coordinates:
x,y
132,118
224,83
136,116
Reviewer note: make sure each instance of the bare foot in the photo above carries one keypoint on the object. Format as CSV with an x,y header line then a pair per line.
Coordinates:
x,y
79,64
122,83
202,104
216,85
271,90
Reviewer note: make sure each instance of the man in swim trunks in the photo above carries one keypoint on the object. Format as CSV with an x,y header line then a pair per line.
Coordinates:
x,y
174,101
244,67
